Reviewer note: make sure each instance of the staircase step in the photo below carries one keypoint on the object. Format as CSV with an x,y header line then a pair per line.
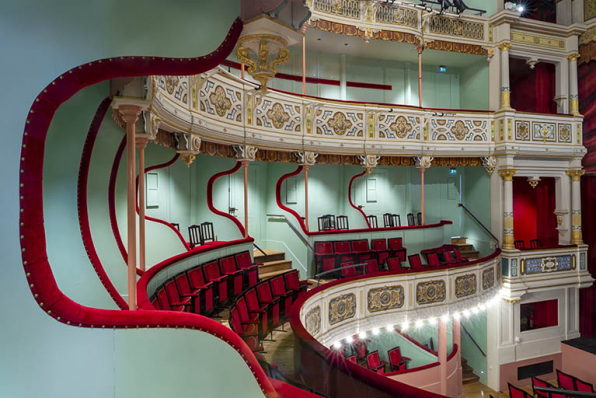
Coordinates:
x,y
269,275
471,254
271,255
470,379
278,265
459,240
465,246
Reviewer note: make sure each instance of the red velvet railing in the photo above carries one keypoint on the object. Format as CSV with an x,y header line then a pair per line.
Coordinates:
x,y
82,207
112,200
210,197
278,197
350,197
38,271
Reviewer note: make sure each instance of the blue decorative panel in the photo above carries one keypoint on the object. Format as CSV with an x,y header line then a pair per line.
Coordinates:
x,y
430,292
582,260
514,267
505,265
548,264
342,308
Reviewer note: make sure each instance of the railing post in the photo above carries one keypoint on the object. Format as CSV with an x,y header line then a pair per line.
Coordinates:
x,y
141,143
443,355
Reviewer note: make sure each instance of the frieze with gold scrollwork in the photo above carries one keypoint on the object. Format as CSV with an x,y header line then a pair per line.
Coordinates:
x,y
175,86
385,298
278,116
221,101
331,122
465,285
470,130
342,308
456,27
313,320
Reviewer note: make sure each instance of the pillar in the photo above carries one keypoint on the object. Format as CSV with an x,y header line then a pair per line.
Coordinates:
x,y
505,89
141,143
576,206
422,170
245,169
343,84
573,91
130,114
443,355
508,239
306,167
456,333
304,63
420,48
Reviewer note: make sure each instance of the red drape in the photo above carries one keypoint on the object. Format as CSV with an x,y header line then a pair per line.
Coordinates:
x,y
533,212
587,102
588,295
532,90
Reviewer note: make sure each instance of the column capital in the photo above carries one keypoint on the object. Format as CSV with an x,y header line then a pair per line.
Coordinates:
x,y
369,162
245,153
573,57
507,174
423,162
504,46
490,164
141,141
129,113
576,174
306,158
188,146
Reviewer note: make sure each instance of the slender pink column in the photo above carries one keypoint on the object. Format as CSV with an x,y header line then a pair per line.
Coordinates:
x,y
245,168
306,167
304,65
141,144
422,170
130,115
420,48
443,355
456,329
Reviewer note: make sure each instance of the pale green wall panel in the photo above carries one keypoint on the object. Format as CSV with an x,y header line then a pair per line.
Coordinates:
x,y
476,326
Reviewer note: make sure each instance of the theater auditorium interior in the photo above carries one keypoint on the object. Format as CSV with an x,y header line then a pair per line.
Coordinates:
x,y
298,198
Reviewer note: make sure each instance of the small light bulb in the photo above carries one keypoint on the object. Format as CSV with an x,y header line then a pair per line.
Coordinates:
x,y
389,328
419,323
475,310
349,339
376,331
432,321
482,307
456,316
445,318
362,335
405,326
337,345
520,8
467,313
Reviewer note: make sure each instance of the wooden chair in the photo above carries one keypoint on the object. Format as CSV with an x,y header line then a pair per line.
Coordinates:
x,y
194,235
372,220
326,222
535,244
519,244
391,220
206,232
411,221
419,217
342,223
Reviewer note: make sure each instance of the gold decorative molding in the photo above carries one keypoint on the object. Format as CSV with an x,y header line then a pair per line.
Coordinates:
x,y
575,174
512,300
573,57
538,40
504,46
507,174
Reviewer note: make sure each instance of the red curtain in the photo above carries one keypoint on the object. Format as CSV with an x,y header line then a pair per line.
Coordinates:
x,y
532,90
588,295
533,212
587,102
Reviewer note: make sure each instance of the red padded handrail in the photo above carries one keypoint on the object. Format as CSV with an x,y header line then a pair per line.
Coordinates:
x,y
112,200
278,197
350,197
210,197
31,221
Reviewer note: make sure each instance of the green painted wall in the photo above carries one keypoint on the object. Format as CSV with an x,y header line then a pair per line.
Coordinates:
x,y
474,85
386,341
476,326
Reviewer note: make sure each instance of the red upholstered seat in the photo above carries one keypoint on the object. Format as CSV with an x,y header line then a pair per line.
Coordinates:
x,y
278,289
415,262
197,281
212,274
202,298
396,360
583,386
448,258
372,267
352,358
383,255
294,284
155,303
323,247
394,264
458,256
342,247
164,301
515,392
228,267
361,349
433,260
248,332
379,244
250,269
347,272
175,299
395,243
374,363
266,297
328,262
248,318
254,307
565,381
359,246
400,253
536,382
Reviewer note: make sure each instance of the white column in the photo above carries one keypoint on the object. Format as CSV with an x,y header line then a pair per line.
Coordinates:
x,y
508,239
443,355
343,88
576,206
573,91
505,88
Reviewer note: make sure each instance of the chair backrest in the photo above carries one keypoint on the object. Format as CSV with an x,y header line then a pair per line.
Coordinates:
x,y
228,264
360,245
535,243
155,303
395,243
235,322
419,217
347,272
164,302
536,382
396,220
448,257
243,259
411,219
326,222
379,244
394,264
352,358
415,261
291,279
395,356
433,259
519,244
372,220
172,290
388,220
211,270
565,381
264,291
583,386
361,350
324,247
194,235
252,301
196,278
457,253
206,232
242,310
515,392
372,360
183,284
343,246
372,267
328,262
278,286
342,223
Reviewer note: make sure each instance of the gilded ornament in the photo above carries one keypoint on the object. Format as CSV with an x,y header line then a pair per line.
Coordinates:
x,y
465,285
171,83
342,308
339,123
507,174
460,130
313,321
431,292
278,116
385,298
220,101
401,127
488,278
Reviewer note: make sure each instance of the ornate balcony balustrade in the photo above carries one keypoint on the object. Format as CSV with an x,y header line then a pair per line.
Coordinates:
x,y
220,107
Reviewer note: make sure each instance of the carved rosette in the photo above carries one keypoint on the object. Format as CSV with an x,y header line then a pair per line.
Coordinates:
x,y
245,153
369,162
306,158
188,146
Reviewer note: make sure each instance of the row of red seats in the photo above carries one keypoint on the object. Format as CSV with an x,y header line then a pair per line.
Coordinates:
x,y
331,255
264,307
359,355
565,381
208,287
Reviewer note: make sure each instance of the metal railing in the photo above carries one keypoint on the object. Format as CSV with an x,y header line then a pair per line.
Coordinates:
x,y
337,270
566,393
300,234
472,338
259,249
479,223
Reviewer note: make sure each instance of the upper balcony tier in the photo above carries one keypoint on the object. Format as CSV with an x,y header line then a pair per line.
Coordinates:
x,y
219,107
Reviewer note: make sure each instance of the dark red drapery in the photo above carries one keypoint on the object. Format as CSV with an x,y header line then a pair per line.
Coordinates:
x,y
533,211
532,90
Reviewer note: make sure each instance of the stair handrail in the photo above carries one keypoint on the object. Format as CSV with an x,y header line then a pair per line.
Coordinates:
x,y
473,340
300,234
259,249
479,222
566,393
